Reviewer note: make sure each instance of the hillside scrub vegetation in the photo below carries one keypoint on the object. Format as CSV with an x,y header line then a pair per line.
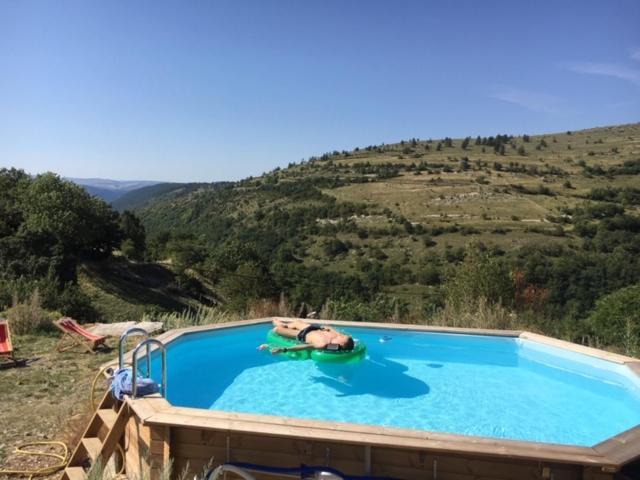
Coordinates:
x,y
504,231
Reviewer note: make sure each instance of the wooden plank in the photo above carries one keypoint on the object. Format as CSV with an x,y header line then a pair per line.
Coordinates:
x,y
92,429
593,474
622,448
196,439
108,416
92,446
147,406
592,352
347,428
115,434
524,450
278,426
75,473
634,367
413,327
136,457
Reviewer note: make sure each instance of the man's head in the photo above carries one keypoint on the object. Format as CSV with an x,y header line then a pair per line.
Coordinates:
x,y
345,342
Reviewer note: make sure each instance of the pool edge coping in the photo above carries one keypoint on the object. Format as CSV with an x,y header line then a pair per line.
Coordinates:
x,y
609,454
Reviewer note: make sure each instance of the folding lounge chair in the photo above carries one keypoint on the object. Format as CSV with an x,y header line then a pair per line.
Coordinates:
x,y
6,348
76,336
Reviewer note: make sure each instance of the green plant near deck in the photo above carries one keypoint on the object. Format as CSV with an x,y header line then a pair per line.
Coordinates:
x,y
381,308
188,318
477,314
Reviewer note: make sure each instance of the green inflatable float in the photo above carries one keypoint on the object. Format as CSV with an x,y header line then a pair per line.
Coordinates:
x,y
339,356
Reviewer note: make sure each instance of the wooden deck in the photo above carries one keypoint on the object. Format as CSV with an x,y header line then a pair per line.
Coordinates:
x,y
158,431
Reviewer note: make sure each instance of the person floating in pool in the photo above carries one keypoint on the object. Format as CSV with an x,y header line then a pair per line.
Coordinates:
x,y
312,335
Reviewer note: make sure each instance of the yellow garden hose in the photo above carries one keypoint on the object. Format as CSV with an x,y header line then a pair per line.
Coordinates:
x,y
92,393
43,470
63,458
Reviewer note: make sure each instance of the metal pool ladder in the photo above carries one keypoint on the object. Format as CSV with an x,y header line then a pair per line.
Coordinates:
x,y
123,337
146,343
134,361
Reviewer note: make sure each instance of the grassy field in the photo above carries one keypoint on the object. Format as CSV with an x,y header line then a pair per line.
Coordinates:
x,y
485,198
46,400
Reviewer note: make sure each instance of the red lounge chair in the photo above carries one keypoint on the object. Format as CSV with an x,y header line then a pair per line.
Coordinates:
x,y
6,348
76,336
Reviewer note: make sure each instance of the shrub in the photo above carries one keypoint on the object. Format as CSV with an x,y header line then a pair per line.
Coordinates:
x,y
480,314
29,316
335,247
616,319
480,275
382,308
188,318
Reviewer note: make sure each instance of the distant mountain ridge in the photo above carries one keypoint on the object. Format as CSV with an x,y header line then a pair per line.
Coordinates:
x,y
140,197
111,190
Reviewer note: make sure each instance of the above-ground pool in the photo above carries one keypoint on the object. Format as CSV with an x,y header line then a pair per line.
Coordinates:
x,y
478,385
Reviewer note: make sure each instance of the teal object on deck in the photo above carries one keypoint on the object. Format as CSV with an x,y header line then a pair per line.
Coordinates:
x,y
339,356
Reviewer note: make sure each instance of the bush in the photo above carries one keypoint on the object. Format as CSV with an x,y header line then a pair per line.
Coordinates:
x,y
480,276
334,247
29,316
616,319
382,308
480,314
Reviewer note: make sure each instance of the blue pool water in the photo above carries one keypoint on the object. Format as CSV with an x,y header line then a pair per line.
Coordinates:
x,y
472,385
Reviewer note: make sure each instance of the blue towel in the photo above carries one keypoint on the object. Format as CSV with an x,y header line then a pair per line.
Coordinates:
x,y
122,384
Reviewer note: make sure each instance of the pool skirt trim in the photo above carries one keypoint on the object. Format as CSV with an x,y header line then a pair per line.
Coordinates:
x,y
606,457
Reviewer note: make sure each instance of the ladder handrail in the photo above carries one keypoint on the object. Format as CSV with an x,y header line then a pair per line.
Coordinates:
x,y
134,373
123,337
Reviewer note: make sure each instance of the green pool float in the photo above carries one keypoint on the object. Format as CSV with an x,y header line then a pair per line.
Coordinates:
x,y
276,340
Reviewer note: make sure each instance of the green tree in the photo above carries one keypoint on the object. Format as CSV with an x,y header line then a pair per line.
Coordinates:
x,y
480,276
84,226
615,320
134,235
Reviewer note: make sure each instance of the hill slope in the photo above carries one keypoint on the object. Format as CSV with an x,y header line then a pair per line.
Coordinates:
x,y
449,192
140,197
396,219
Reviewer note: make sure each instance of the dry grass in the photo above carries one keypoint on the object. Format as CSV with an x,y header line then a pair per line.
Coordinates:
x,y
26,317
203,315
480,314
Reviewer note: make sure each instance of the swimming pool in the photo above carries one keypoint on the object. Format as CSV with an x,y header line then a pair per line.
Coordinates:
x,y
474,385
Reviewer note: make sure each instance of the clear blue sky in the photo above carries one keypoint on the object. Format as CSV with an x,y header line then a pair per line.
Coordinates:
x,y
204,90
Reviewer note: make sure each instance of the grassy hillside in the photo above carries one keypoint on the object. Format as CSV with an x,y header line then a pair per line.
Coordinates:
x,y
422,195
120,290
543,224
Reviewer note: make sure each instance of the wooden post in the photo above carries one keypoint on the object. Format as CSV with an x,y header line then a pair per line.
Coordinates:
x,y
159,450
